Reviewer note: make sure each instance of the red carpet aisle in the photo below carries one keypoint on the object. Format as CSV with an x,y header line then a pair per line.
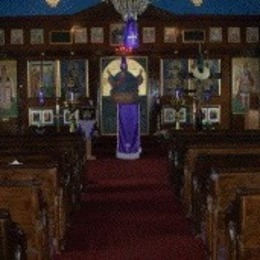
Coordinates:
x,y
129,213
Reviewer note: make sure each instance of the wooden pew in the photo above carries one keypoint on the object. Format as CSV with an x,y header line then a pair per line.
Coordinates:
x,y
181,141
47,172
13,242
190,161
242,225
201,178
223,186
25,202
69,148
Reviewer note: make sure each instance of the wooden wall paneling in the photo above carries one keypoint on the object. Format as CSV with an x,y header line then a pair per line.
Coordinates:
x,y
152,17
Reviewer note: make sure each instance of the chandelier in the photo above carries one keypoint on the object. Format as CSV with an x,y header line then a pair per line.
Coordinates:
x,y
129,8
52,3
197,2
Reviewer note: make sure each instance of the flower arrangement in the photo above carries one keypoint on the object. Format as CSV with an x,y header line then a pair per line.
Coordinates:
x,y
162,134
201,74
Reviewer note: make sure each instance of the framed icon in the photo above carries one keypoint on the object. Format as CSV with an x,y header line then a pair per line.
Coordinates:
x,y
215,34
2,37
36,36
148,35
234,35
194,35
17,36
80,35
97,34
170,34
116,34
252,34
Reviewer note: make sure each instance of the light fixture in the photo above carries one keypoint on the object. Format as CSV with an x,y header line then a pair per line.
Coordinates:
x,y
197,2
131,36
129,8
52,3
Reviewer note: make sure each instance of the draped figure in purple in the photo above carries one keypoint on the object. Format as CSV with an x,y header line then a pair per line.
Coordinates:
x,y
128,113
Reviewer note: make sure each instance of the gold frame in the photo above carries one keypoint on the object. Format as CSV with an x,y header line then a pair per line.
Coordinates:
x,y
37,36
80,35
17,36
234,35
215,34
252,34
119,37
97,35
170,34
2,37
149,34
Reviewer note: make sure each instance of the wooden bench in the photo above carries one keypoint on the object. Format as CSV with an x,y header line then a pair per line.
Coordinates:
x,y
191,159
223,186
48,174
13,241
201,178
181,141
70,149
25,202
242,225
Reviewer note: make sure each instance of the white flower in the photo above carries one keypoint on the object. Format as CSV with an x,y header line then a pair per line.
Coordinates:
x,y
201,75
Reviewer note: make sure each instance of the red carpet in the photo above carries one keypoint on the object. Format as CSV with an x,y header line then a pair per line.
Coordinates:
x,y
129,212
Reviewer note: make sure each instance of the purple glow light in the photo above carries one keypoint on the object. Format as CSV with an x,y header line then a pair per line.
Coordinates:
x,y
131,36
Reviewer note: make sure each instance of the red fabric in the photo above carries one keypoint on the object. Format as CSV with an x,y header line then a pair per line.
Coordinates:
x,y
129,212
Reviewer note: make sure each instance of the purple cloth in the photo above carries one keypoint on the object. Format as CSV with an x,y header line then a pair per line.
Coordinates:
x,y
86,127
128,137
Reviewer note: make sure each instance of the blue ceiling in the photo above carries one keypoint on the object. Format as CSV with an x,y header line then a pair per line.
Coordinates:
x,y
178,7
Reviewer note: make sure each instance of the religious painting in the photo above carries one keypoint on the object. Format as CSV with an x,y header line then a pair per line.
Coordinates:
x,y
36,36
193,35
80,35
148,35
74,78
168,115
108,114
211,85
170,34
174,73
214,114
234,35
41,117
252,34
60,37
117,34
211,114
47,117
215,34
8,91
35,117
41,77
17,36
245,83
97,34
2,37
67,114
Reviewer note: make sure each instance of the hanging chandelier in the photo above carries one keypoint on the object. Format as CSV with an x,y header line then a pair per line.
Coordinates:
x,y
197,2
129,8
52,3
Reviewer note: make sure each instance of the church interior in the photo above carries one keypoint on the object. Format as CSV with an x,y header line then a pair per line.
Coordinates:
x,y
129,130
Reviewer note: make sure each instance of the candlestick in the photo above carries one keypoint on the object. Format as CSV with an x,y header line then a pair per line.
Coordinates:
x,y
57,110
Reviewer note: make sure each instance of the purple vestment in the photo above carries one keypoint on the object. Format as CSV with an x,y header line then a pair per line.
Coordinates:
x,y
128,128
